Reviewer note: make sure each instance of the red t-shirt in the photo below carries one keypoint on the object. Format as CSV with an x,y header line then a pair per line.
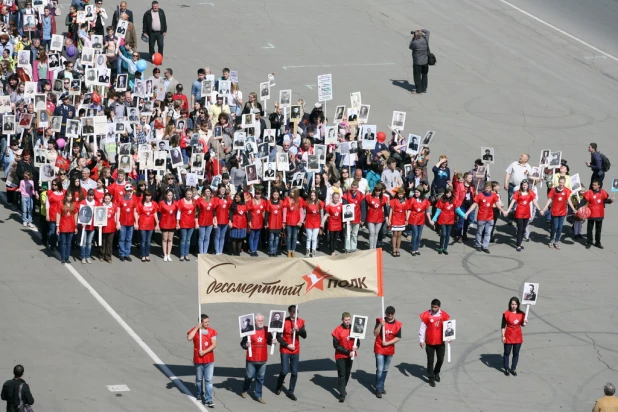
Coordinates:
x,y
523,204
559,201
275,215
207,341
313,215
335,217
127,209
343,337
111,218
433,333
207,211
485,205
375,209
292,211
596,202
168,215
222,210
356,201
99,195
55,203
418,208
288,329
399,212
514,321
259,345
187,214
146,214
116,190
447,214
390,330
67,220
257,209
239,219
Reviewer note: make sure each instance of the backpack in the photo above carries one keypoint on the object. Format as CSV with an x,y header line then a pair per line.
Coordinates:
x,y
605,163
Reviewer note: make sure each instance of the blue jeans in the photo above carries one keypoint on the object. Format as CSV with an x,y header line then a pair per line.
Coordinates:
x,y
204,239
185,241
220,238
556,228
26,209
445,234
289,363
124,243
462,223
255,370
254,240
204,372
86,248
292,236
65,245
51,234
382,364
417,235
484,226
145,240
273,242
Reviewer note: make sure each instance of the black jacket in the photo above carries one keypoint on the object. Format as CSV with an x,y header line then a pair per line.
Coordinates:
x,y
11,396
115,17
147,22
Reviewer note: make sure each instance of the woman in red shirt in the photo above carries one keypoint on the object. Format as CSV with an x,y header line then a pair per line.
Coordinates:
x,y
397,218
523,197
376,207
205,219
239,217
274,222
53,203
186,222
292,206
66,226
99,192
146,221
314,211
512,322
168,209
257,208
222,213
558,197
109,230
334,215
445,216
419,208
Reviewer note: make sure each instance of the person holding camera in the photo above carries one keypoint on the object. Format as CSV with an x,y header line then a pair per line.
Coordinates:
x,y
420,59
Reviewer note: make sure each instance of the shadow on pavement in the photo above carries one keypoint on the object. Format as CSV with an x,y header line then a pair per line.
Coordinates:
x,y
411,369
492,360
404,84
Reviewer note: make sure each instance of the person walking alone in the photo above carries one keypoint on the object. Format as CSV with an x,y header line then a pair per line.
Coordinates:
x,y
420,59
607,403
345,348
204,343
16,390
430,336
154,25
384,349
512,338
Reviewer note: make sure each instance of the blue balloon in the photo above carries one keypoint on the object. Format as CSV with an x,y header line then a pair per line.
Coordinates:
x,y
141,65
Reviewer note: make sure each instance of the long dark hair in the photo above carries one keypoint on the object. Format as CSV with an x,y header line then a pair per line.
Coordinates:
x,y
516,300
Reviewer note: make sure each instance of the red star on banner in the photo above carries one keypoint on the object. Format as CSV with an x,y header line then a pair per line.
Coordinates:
x,y
315,279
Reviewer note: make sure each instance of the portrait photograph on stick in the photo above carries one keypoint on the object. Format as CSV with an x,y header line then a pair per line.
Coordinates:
x,y
359,327
487,155
246,324
100,216
449,330
530,294
275,321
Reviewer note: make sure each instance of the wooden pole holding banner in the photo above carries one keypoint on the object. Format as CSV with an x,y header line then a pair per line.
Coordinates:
x,y
199,311
384,320
294,330
355,344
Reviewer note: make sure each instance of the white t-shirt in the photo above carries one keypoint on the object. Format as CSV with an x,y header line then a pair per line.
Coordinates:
x,y
518,172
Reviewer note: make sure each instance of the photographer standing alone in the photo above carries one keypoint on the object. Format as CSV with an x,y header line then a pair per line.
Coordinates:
x,y
420,59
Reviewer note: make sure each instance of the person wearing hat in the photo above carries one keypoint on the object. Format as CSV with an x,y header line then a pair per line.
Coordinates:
x,y
180,96
127,204
66,111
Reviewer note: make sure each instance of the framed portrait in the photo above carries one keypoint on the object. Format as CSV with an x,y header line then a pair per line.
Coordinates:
x,y
269,170
139,89
89,9
53,59
85,215
615,185
101,61
124,163
121,28
46,172
246,324
355,100
96,40
407,169
56,123
197,161
487,155
40,157
298,180
8,124
399,120
124,149
368,136
57,41
28,24
269,136
92,77
353,147
339,113
121,82
544,161
238,142
295,113
352,114
320,151
176,156
276,320
428,138
76,87
100,216
133,116
576,183
481,171
88,56
160,158
248,120
536,173
359,327
191,180
283,162
225,86
252,174
363,113
263,150
330,135
23,57
81,17
413,144
264,91
206,88
5,104
449,330
530,294
145,159
348,212
30,89
313,163
554,160
25,120
285,98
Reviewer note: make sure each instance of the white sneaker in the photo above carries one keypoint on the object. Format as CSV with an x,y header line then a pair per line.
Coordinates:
x,y
169,258
84,261
25,224
165,258
88,260
31,225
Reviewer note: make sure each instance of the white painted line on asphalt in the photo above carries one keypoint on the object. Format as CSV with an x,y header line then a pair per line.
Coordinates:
x,y
532,16
596,57
118,388
270,46
338,65
311,86
209,3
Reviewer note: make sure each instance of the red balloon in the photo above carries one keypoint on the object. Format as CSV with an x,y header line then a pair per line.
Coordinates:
x,y
583,212
157,59
381,137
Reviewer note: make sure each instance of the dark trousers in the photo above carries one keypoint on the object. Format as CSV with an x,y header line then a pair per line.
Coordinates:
x,y
155,36
507,353
597,235
522,223
597,176
107,246
420,77
344,368
437,351
493,228
332,240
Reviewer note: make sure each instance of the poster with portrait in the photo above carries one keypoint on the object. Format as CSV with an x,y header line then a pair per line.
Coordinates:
x,y
355,100
276,320
349,211
5,104
248,120
29,23
269,137
480,172
530,294
544,162
554,160
81,17
92,77
576,183
23,58
100,216
285,98
145,158
76,87
614,185
536,173
283,162
191,180
46,172
225,86
160,158
121,28
252,174
124,163
358,327
57,41
85,215
176,156
298,180
30,89
363,113
246,324
487,155
413,144
398,121
449,329
97,41
90,16
121,83
368,134
8,124
264,91
238,143
25,120
197,161
330,135
313,163
56,123
320,151
295,113
428,138
40,157
87,56
269,170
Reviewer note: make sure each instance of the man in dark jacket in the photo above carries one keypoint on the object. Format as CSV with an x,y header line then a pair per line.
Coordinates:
x,y
596,164
420,61
154,26
10,390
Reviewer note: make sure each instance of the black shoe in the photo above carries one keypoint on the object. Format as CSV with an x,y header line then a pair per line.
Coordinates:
x,y
440,251
588,245
513,372
383,391
506,372
278,390
437,377
478,248
379,395
432,383
198,397
291,396
445,252
492,240
128,258
121,258
486,251
599,245
342,399
210,404
459,239
465,238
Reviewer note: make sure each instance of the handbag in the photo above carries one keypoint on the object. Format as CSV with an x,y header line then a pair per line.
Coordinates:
x,y
431,58
22,407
